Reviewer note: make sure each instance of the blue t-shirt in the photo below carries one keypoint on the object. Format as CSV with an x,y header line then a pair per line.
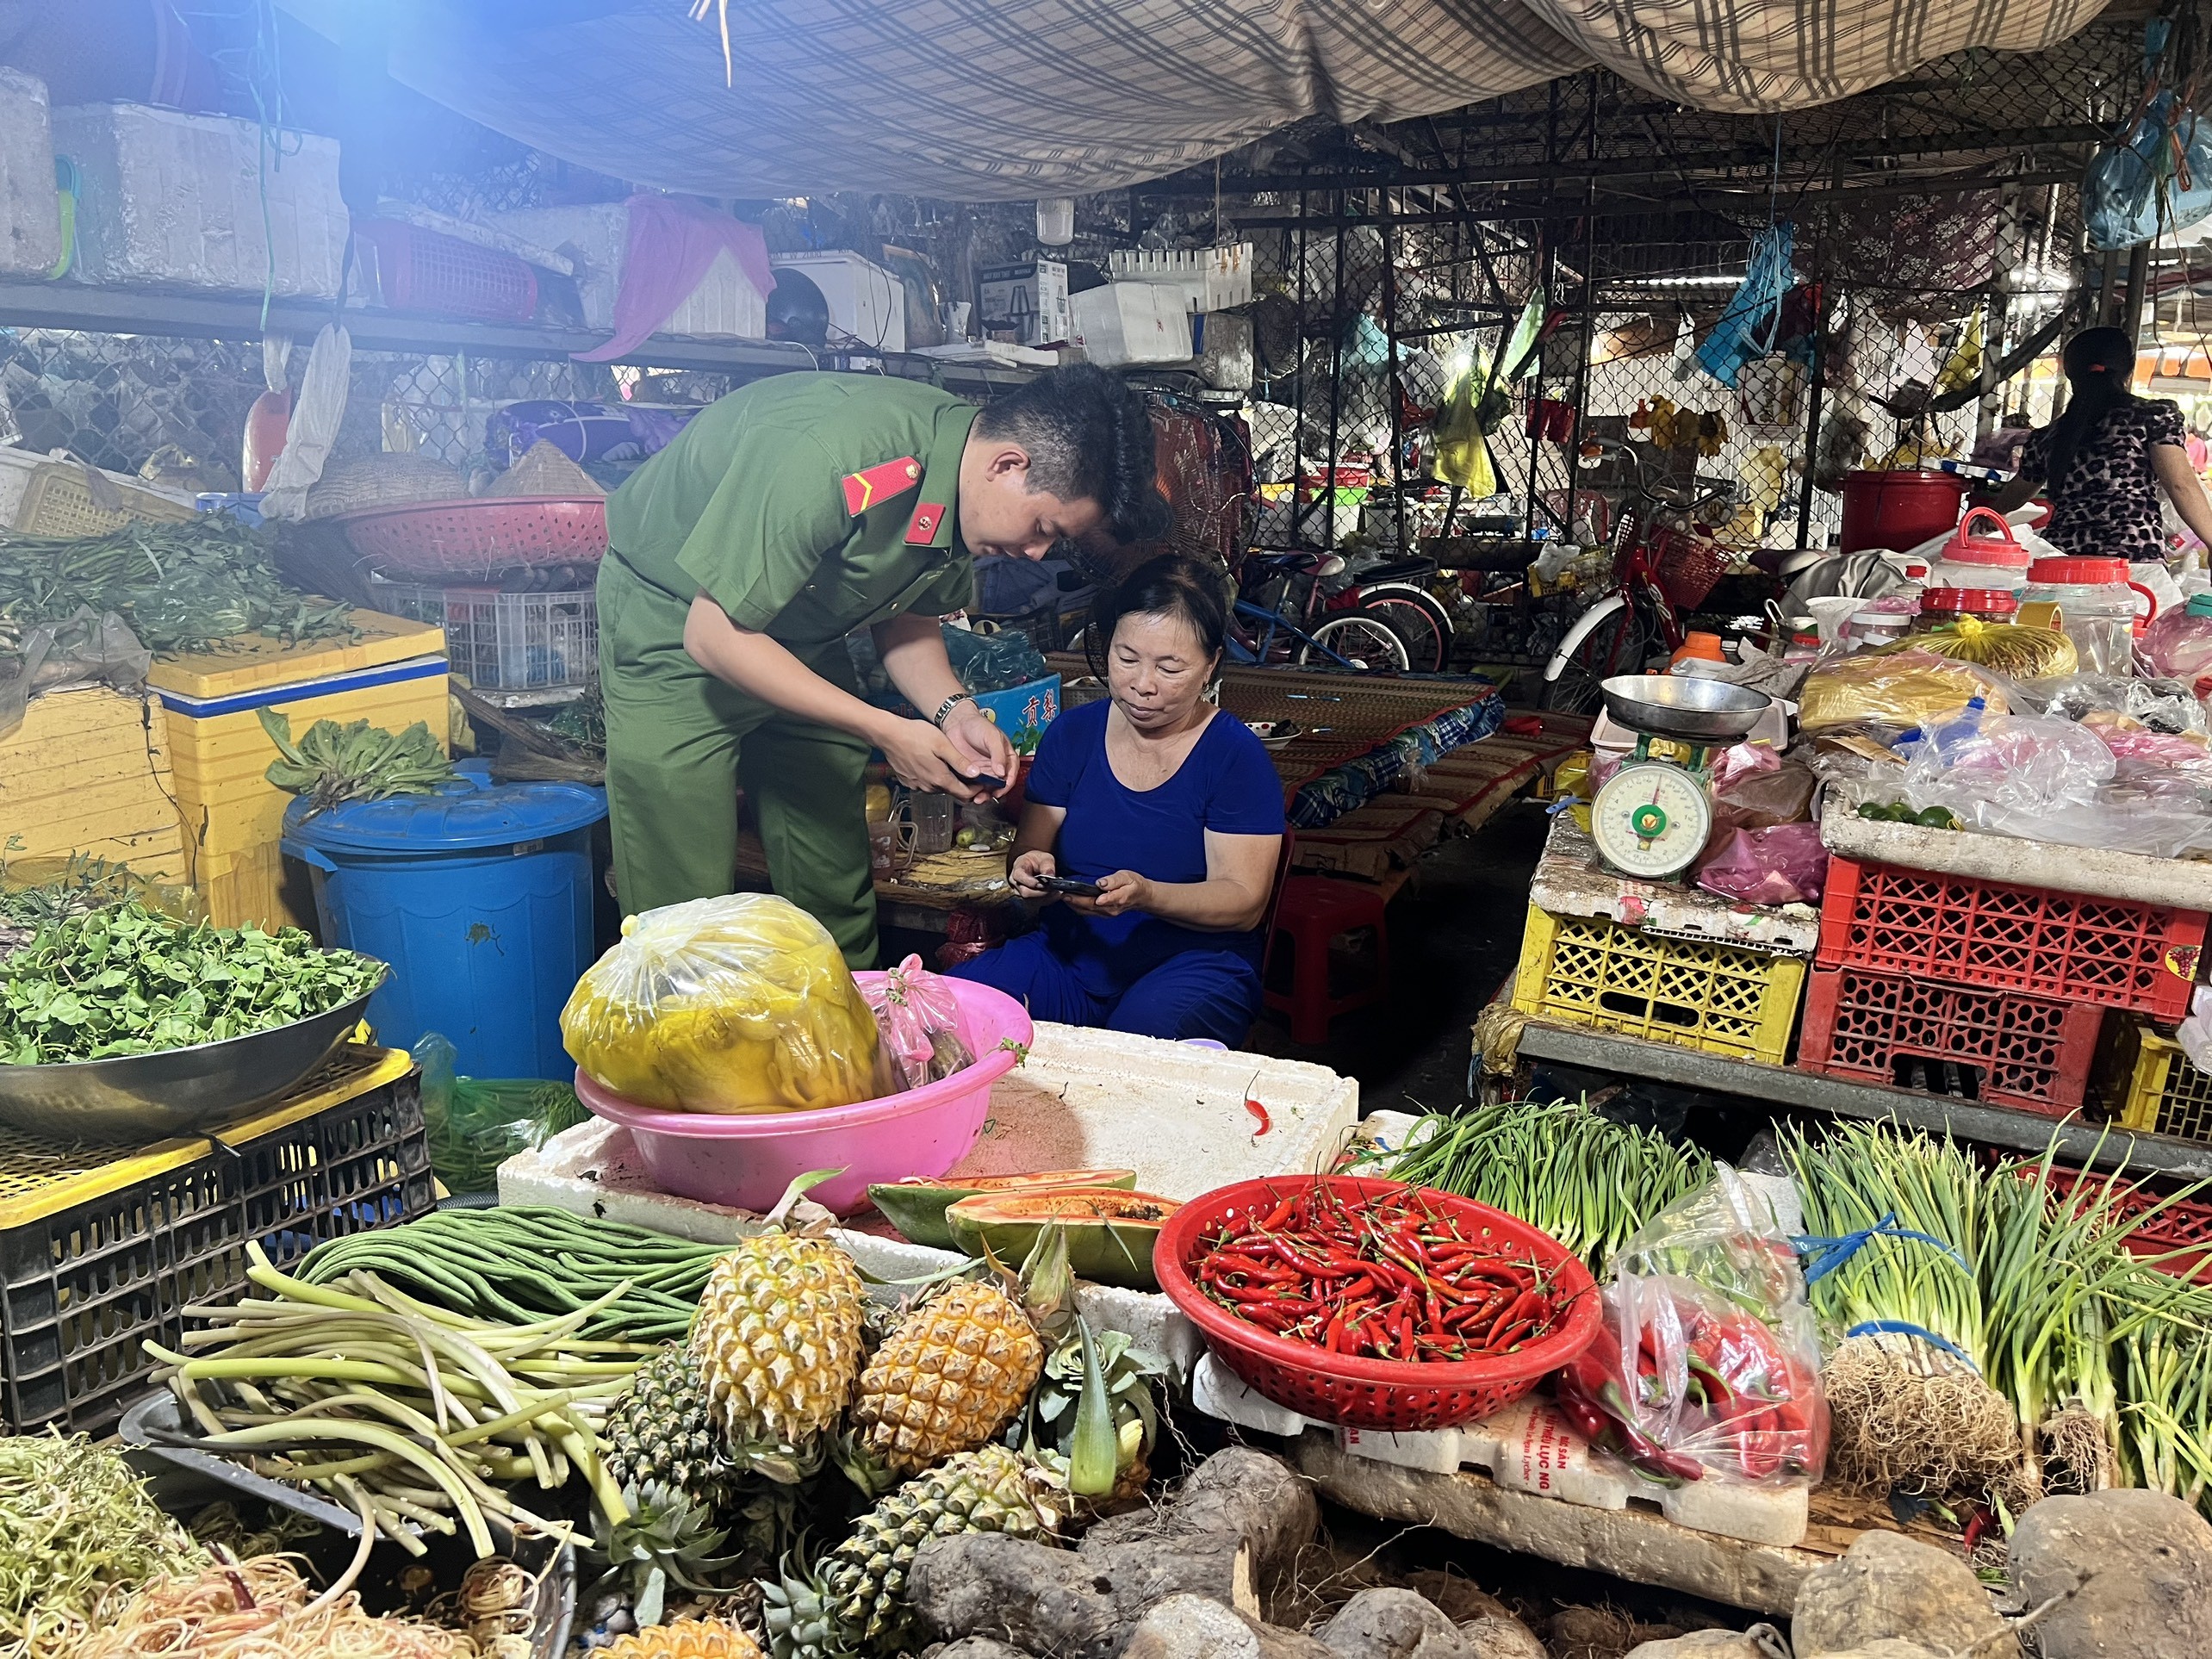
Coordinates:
x,y
1227,784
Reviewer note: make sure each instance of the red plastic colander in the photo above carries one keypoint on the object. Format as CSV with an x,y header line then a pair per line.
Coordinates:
x,y
1399,1396
479,536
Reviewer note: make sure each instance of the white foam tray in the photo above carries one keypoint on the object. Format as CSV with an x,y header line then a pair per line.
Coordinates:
x,y
1529,1447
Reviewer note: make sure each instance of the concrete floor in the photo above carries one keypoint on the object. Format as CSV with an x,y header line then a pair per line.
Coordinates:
x,y
1455,935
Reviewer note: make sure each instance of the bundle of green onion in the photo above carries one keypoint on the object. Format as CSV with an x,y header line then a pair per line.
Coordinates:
x,y
1588,1182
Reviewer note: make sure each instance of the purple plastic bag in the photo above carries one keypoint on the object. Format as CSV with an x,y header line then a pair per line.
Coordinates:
x,y
1783,865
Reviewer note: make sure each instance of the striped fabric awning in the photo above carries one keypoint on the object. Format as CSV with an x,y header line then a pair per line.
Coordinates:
x,y
999,99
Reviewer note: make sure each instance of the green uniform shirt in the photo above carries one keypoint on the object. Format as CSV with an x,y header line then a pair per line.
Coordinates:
x,y
788,503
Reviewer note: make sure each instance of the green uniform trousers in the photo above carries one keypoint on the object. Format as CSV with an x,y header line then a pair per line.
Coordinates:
x,y
680,744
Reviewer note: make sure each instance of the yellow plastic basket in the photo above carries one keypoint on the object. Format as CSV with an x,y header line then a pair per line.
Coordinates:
x,y
2167,1095
1723,999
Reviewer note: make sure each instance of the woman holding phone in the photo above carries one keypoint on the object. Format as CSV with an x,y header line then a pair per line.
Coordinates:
x,y
1151,828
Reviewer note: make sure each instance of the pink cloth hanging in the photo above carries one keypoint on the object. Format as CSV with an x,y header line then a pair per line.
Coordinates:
x,y
672,246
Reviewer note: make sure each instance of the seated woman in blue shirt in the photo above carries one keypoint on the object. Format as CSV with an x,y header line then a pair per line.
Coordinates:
x,y
1173,808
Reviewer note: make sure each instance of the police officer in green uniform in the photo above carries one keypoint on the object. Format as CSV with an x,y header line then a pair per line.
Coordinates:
x,y
790,514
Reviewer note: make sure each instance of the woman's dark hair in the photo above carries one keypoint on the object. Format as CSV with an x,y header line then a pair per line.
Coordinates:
x,y
1090,438
1169,586
2100,365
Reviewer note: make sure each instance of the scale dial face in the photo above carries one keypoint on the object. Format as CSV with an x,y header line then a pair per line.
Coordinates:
x,y
1652,820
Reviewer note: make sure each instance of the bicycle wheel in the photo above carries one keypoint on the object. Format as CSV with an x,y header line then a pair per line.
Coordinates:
x,y
1369,644
1418,620
1620,644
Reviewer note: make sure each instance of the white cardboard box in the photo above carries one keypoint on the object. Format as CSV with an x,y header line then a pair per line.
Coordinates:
x,y
867,303
30,214
1131,322
1030,298
176,199
594,237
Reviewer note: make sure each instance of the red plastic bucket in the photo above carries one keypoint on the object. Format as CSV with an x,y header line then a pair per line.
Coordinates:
x,y
1898,510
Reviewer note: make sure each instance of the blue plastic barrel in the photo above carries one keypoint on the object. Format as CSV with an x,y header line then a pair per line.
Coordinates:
x,y
480,898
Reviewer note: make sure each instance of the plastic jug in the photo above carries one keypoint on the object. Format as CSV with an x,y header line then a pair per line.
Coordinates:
x,y
1969,560
2179,645
1700,655
1942,607
2099,608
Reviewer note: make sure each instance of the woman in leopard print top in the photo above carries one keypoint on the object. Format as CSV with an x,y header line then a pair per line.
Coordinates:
x,y
2101,461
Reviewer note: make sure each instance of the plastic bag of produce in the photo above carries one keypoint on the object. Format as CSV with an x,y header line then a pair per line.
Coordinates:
x,y
476,1124
1783,864
1910,688
1708,1363
920,1024
740,1003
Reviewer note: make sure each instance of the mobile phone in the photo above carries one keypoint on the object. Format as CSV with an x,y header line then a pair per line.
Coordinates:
x,y
984,780
1053,884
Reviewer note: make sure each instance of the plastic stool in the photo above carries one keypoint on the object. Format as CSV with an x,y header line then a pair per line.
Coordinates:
x,y
1312,910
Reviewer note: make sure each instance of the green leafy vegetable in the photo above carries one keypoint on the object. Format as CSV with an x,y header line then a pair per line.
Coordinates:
x,y
182,587
128,980
334,764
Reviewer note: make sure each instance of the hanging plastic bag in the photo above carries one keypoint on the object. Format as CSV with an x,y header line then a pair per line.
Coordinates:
x,y
920,1024
1708,1362
740,1003
1747,329
2160,180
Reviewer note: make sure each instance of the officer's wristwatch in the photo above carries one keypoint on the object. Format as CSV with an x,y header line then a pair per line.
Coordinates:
x,y
948,706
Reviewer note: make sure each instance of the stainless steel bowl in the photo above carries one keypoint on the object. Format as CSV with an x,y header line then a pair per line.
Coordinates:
x,y
1686,706
147,1097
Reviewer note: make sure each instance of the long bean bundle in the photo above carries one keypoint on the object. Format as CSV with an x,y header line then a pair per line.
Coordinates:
x,y
1588,1182
529,1263
414,1416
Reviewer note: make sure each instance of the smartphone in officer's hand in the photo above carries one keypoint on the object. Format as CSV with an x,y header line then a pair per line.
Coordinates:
x,y
1054,884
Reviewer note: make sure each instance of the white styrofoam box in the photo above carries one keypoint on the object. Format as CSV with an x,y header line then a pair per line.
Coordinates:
x,y
1530,1447
866,302
17,469
1208,279
1030,298
30,211
594,1170
179,199
1119,323
1225,346
594,238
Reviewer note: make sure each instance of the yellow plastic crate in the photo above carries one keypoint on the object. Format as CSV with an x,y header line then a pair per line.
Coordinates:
x,y
233,816
258,887
101,1249
1723,999
253,662
2167,1095
89,772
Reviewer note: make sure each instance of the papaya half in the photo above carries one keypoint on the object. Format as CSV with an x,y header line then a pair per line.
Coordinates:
x,y
916,1205
1111,1230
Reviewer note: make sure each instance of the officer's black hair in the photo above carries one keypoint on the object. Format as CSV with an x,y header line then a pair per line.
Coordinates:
x,y
1169,586
1088,439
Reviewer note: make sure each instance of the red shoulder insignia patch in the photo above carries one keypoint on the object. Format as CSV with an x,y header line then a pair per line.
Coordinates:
x,y
922,530
878,484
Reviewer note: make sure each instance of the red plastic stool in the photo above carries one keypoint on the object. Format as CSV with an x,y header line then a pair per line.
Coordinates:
x,y
1312,910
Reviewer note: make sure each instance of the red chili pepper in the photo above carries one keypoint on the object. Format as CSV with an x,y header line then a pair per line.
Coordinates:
x,y
1252,1105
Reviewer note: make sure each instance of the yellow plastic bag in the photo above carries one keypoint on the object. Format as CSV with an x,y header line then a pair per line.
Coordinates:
x,y
740,1004
2021,652
1912,688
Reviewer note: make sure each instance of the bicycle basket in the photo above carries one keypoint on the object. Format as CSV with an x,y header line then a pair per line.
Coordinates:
x,y
1687,567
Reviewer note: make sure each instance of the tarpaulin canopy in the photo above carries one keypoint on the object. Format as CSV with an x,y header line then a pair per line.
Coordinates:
x,y
996,100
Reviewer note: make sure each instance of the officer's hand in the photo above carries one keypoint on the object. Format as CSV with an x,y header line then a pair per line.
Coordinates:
x,y
1026,869
991,753
922,757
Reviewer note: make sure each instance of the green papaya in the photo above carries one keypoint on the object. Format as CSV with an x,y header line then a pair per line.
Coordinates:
x,y
916,1205
1110,1232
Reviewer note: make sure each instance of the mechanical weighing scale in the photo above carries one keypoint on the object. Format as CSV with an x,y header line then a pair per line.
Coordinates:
x,y
1652,817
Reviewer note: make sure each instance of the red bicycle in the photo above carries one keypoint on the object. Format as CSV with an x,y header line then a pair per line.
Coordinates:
x,y
1665,562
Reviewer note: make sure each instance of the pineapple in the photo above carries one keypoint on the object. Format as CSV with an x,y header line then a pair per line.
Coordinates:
x,y
853,1601
687,1638
777,1342
952,1374
660,1432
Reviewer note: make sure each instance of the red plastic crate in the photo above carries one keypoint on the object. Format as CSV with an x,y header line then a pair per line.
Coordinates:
x,y
2025,1052
420,269
2186,1226
2112,952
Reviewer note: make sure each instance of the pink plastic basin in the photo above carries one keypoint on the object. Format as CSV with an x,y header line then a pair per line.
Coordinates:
x,y
748,1159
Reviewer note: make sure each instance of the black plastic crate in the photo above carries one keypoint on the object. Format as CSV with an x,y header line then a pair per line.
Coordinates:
x,y
101,1249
